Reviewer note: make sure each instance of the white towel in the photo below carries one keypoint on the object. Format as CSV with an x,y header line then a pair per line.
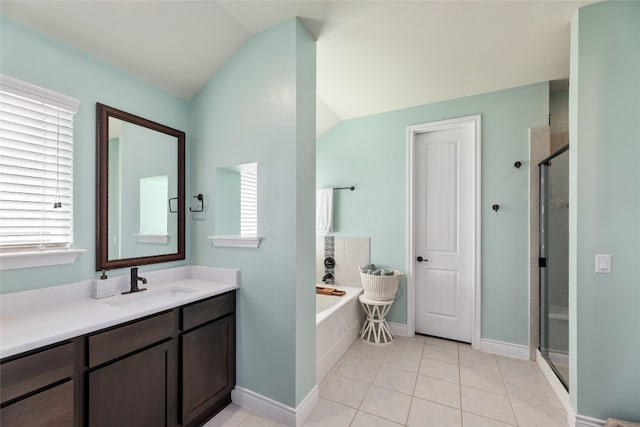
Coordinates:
x,y
324,211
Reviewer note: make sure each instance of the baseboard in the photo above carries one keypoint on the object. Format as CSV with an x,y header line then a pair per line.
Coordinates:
x,y
504,348
275,410
399,329
582,421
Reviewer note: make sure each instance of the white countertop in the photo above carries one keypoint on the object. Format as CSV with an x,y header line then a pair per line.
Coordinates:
x,y
26,326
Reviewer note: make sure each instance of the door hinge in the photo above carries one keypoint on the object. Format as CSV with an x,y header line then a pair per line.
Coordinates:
x,y
542,262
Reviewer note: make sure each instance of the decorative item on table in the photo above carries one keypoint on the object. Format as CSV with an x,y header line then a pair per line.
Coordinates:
x,y
380,284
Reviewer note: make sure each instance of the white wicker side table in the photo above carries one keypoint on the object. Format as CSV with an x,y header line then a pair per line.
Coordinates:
x,y
375,329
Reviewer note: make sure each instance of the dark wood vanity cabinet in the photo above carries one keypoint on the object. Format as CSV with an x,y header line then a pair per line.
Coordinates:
x,y
132,374
175,368
207,347
37,388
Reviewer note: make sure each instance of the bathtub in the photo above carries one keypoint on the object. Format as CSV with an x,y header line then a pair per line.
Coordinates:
x,y
338,321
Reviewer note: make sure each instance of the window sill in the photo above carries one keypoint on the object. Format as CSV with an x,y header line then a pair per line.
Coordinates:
x,y
236,241
13,260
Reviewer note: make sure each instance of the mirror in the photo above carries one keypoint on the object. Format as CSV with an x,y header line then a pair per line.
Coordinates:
x,y
236,200
139,191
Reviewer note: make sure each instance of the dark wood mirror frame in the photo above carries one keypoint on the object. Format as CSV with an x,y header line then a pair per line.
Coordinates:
x,y
103,112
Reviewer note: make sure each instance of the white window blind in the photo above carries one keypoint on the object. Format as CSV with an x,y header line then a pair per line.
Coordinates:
x,y
36,167
249,201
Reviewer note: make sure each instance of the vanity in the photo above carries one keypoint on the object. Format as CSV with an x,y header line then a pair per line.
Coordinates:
x,y
163,358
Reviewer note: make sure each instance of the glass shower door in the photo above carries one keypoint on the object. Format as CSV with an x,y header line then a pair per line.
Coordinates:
x,y
554,262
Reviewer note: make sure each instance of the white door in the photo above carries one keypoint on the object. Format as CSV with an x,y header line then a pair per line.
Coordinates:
x,y
444,230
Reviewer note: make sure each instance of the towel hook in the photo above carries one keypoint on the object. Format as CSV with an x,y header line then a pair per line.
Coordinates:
x,y
200,198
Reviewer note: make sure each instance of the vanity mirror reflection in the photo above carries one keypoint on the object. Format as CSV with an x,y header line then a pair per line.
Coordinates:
x,y
140,205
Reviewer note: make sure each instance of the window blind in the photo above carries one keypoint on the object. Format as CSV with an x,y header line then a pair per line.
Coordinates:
x,y
248,203
36,167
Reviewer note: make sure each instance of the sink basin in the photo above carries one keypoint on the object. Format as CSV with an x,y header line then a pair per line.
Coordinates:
x,y
150,298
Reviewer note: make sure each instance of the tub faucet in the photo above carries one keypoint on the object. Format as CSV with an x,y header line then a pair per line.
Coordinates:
x,y
134,282
326,277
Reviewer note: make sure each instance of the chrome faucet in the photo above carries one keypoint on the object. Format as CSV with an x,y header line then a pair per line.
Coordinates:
x,y
134,282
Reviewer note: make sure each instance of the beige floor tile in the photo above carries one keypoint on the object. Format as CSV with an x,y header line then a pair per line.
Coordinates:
x,y
487,404
387,404
343,390
364,419
438,391
483,379
395,379
535,392
405,345
255,420
231,416
440,370
532,415
362,350
525,369
330,414
441,342
407,361
443,354
473,420
478,359
424,413
359,368
463,346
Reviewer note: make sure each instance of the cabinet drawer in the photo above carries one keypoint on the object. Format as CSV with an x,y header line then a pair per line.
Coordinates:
x,y
29,373
51,408
117,342
207,310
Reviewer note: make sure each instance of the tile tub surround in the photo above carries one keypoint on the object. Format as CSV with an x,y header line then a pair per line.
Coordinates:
x,y
336,328
349,253
40,317
404,385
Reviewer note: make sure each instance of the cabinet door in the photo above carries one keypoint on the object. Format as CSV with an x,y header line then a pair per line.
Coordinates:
x,y
138,390
208,369
51,408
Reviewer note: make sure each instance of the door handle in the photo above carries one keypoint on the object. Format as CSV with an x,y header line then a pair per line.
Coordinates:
x,y
420,259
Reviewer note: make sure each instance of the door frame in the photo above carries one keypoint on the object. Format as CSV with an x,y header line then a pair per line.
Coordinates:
x,y
412,131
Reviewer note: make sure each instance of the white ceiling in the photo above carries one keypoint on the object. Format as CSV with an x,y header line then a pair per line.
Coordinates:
x,y
371,56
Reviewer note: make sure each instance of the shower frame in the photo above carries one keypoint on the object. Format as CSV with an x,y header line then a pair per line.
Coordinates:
x,y
543,342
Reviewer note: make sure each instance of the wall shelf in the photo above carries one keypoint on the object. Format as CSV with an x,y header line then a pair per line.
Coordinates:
x,y
236,241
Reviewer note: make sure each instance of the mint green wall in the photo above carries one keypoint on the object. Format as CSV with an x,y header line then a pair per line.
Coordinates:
x,y
260,108
34,58
371,153
605,109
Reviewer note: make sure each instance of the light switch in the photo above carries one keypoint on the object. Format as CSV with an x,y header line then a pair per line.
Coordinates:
x,y
603,263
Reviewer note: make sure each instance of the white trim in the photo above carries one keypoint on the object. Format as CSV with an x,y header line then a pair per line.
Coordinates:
x,y
152,238
582,421
412,131
236,241
502,348
29,259
277,411
556,385
398,329
31,91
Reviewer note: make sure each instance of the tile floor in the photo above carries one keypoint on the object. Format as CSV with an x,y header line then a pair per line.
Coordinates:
x,y
424,381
